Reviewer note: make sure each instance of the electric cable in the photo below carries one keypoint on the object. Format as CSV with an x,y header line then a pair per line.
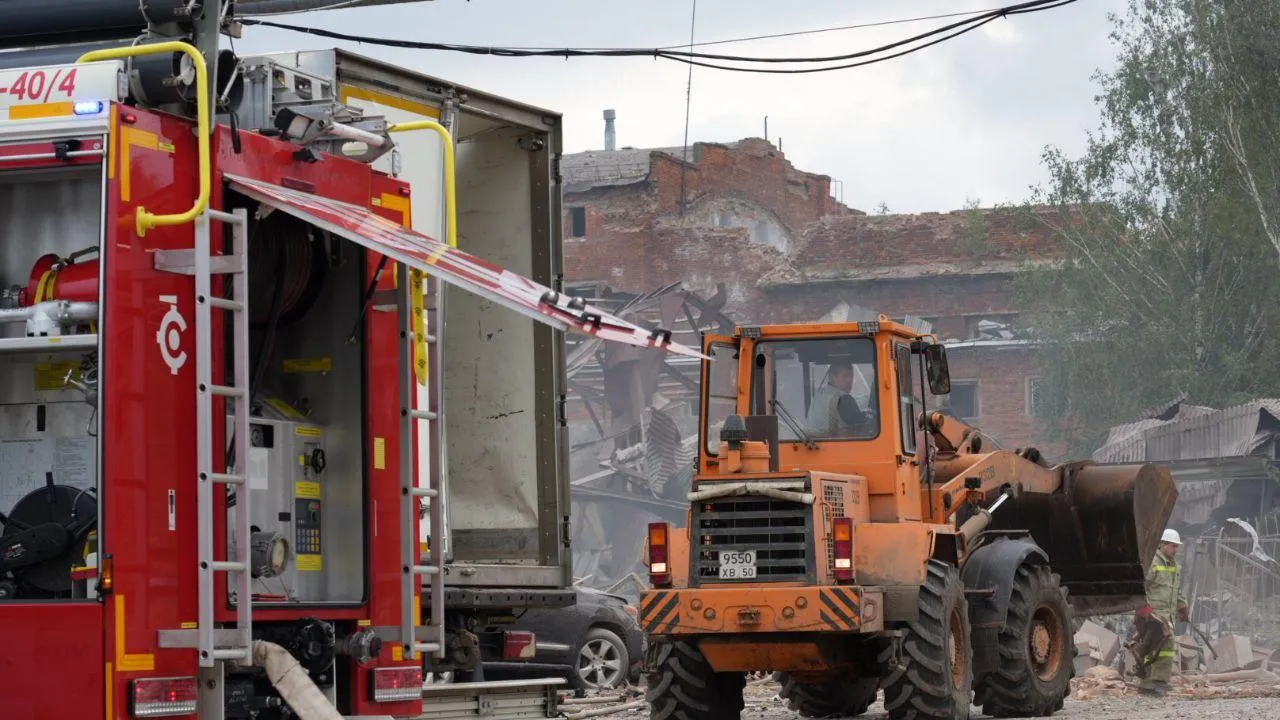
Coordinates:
x,y
934,37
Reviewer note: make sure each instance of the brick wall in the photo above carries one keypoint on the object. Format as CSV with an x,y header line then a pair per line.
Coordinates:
x,y
788,252
976,238
945,300
1002,375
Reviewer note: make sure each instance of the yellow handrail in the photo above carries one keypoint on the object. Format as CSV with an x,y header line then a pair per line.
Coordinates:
x,y
147,220
451,234
450,196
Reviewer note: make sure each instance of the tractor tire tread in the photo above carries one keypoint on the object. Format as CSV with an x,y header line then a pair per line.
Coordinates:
x,y
843,698
1012,690
920,686
683,686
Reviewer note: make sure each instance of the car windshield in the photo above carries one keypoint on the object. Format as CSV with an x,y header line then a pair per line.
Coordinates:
x,y
819,389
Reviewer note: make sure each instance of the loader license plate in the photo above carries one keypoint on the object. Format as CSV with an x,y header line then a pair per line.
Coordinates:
x,y
737,564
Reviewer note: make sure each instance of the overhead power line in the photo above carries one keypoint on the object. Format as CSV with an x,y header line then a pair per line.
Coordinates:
x,y
742,63
836,28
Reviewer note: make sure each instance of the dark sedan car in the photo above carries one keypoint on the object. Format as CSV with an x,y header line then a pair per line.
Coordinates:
x,y
594,644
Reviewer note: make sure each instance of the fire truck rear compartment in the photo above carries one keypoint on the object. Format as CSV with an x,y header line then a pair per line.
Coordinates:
x,y
306,454
48,449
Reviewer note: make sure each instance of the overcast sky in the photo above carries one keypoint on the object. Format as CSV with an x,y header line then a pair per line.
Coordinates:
x,y
967,119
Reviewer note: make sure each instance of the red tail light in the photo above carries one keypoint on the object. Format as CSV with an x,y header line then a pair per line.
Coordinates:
x,y
842,536
397,684
518,645
163,697
659,570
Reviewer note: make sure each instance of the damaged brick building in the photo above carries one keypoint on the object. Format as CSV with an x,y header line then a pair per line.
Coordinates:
x,y
738,220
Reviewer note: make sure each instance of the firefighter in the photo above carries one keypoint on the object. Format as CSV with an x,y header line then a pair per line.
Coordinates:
x,y
1164,604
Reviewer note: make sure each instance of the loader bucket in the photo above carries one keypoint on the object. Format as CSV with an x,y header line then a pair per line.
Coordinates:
x,y
1100,531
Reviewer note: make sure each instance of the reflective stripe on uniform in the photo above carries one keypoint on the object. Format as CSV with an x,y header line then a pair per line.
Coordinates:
x,y
1165,568
1165,653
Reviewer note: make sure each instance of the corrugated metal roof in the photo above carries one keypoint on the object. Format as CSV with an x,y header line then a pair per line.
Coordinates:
x,y
1197,433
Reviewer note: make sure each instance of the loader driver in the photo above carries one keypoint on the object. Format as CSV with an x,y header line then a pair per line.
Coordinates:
x,y
1164,603
833,411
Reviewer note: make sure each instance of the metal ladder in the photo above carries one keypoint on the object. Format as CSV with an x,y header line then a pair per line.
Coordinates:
x,y
214,646
412,567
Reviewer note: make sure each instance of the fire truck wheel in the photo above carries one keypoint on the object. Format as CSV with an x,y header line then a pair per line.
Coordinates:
x,y
682,685
846,698
1037,650
933,676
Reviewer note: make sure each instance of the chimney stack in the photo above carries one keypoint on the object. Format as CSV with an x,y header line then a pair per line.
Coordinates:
x,y
610,139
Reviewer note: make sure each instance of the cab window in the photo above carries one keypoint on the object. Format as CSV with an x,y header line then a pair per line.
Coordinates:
x,y
908,367
722,392
819,389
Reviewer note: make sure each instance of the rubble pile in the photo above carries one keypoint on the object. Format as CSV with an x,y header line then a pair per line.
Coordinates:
x,y
601,703
1230,668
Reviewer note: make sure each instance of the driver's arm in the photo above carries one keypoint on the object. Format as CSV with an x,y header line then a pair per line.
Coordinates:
x,y
850,414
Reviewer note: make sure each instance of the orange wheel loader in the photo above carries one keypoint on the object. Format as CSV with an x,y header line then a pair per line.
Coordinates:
x,y
847,534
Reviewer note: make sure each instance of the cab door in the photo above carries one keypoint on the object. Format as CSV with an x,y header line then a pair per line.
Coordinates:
x,y
721,394
51,229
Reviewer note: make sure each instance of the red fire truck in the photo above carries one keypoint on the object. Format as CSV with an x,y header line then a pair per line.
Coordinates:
x,y
214,342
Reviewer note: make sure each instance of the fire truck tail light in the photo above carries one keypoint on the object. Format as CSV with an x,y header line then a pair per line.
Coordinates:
x,y
518,645
163,697
842,539
659,571
397,684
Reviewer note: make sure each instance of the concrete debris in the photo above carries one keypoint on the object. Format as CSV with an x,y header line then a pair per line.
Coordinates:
x,y
1100,682
1095,645
602,703
1233,653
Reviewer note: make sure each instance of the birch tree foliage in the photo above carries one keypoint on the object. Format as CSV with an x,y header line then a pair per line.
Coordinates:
x,y
1170,224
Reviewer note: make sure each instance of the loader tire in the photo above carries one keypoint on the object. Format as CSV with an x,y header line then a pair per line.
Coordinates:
x,y
932,677
682,685
1036,650
843,698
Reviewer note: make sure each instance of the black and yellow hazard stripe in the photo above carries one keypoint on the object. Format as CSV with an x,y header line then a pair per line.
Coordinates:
x,y
841,608
660,611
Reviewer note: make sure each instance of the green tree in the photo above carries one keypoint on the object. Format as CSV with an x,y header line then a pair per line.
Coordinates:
x,y
1168,223
974,236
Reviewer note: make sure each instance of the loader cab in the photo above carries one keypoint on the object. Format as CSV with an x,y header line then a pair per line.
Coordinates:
x,y
836,397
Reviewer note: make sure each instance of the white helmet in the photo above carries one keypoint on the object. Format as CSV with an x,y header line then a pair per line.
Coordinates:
x,y
1171,536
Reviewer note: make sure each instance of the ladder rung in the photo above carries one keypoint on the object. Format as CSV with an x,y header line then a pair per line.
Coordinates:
x,y
423,414
227,391
225,304
231,653
226,479
426,570
426,647
423,492
227,566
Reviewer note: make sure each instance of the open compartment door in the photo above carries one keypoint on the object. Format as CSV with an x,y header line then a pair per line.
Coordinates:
x,y
456,267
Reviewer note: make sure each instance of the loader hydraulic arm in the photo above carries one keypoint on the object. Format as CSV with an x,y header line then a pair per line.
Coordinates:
x,y
966,476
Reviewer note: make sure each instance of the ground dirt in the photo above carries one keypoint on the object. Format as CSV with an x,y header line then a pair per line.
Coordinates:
x,y
763,705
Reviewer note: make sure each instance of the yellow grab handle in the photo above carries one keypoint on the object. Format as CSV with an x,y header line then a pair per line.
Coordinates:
x,y
147,220
450,196
451,233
